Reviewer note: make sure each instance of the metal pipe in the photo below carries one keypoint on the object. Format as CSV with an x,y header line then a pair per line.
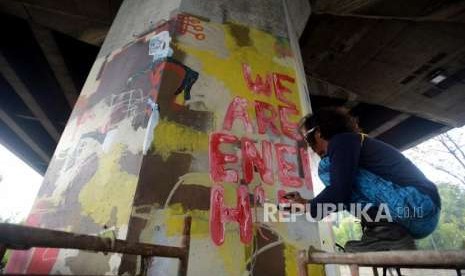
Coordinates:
x,y
16,274
354,271
2,251
420,259
24,237
186,240
302,263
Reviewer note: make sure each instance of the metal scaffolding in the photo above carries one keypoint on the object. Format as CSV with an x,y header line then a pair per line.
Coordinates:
x,y
20,237
452,259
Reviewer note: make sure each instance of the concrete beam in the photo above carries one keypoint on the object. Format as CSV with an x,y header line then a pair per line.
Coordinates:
x,y
24,136
389,124
56,61
23,92
395,18
425,138
91,30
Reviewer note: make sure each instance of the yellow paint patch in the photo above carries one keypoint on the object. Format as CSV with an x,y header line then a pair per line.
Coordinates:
x,y
110,188
232,252
175,221
259,56
316,269
290,258
173,137
180,99
291,263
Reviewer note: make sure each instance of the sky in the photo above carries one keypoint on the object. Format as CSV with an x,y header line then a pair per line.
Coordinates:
x,y
20,183
432,152
18,187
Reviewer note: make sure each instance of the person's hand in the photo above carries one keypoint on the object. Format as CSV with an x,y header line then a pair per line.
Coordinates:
x,y
294,197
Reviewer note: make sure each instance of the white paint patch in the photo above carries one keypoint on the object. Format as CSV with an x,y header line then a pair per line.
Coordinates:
x,y
109,139
115,261
152,124
159,46
163,266
122,232
60,266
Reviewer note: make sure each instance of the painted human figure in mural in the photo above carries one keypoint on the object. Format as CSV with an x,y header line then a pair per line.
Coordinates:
x,y
356,168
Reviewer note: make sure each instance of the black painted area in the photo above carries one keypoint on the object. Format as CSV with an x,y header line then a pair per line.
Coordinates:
x,y
79,57
22,52
410,130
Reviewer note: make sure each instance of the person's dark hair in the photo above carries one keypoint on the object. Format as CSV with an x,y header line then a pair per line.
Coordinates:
x,y
330,121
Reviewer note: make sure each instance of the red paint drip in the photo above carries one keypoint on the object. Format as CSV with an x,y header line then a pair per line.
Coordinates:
x,y
216,221
259,196
220,215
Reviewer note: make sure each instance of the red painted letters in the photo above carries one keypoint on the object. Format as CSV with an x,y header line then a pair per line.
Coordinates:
x,y
280,89
220,214
266,117
252,158
237,110
218,159
289,128
286,169
306,168
272,124
260,85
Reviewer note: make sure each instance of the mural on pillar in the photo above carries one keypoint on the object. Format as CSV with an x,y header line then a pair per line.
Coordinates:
x,y
193,118
222,149
91,181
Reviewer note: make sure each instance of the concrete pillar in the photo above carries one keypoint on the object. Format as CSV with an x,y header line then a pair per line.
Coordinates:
x,y
191,108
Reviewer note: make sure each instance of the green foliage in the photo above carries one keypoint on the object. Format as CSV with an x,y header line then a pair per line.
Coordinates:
x,y
450,233
5,260
347,229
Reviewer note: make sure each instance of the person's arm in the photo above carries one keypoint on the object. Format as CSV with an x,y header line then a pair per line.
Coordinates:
x,y
344,154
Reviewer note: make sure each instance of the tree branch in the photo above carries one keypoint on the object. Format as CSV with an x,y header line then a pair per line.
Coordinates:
x,y
441,140
439,168
457,147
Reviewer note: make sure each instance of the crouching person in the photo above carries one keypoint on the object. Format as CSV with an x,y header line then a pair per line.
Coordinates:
x,y
357,169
